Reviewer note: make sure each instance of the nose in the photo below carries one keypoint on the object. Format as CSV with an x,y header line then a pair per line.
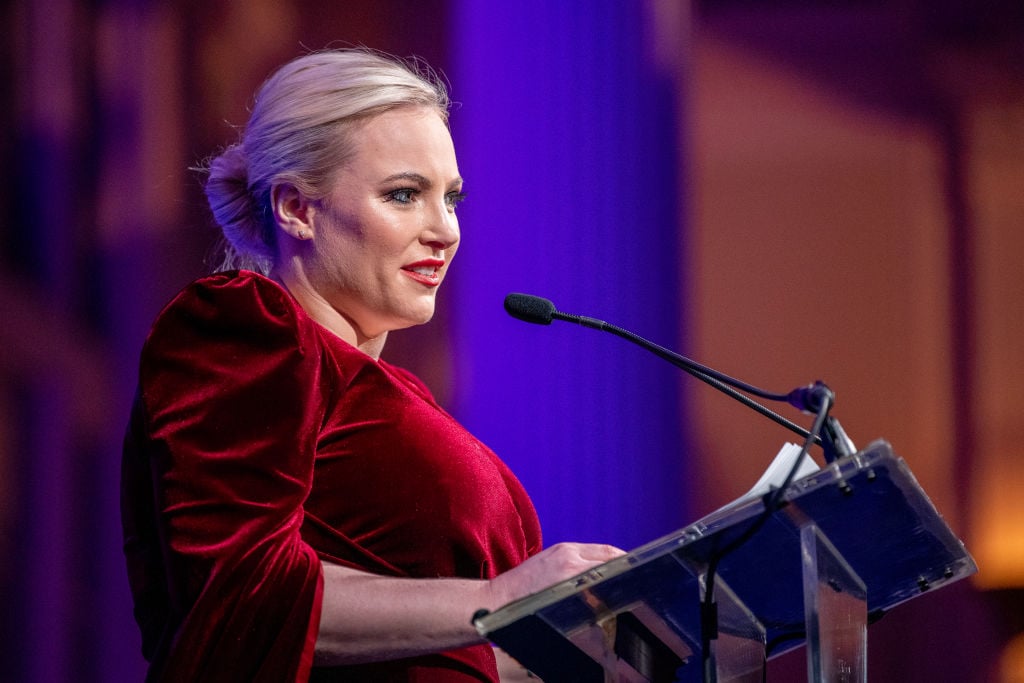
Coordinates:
x,y
442,226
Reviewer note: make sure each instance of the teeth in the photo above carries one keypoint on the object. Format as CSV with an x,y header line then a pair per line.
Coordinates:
x,y
424,270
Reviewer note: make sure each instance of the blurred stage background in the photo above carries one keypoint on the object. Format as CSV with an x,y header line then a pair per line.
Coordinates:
x,y
781,190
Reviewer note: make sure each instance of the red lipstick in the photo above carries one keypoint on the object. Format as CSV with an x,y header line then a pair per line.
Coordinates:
x,y
427,271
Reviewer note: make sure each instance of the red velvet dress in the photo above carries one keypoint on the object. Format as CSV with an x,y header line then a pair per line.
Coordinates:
x,y
261,442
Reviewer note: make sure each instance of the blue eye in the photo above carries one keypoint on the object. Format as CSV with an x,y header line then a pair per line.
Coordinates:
x,y
402,196
453,199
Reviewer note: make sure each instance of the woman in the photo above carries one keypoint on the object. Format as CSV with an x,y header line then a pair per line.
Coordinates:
x,y
294,507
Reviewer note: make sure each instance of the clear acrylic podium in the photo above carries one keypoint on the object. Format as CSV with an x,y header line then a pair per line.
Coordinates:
x,y
851,541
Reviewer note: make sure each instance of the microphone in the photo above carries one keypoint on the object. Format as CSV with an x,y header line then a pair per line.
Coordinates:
x,y
811,398
531,309
540,311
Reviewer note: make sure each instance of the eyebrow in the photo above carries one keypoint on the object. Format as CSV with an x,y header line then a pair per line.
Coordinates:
x,y
418,178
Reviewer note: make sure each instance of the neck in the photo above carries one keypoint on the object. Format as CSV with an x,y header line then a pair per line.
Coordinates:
x,y
319,309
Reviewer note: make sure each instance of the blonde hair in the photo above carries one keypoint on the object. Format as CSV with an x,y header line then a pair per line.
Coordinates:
x,y
297,134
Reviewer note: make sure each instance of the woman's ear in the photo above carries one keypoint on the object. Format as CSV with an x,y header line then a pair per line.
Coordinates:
x,y
293,211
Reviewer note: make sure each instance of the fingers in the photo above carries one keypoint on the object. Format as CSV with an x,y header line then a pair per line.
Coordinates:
x,y
591,553
600,552
554,564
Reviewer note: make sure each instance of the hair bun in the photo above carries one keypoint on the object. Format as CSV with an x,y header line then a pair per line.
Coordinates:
x,y
236,210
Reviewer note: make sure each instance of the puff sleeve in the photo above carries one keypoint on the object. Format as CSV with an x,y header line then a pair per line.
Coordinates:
x,y
217,463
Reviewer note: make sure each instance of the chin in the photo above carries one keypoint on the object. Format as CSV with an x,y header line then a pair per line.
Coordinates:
x,y
414,318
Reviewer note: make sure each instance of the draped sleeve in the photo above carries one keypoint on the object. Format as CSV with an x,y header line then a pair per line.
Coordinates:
x,y
217,464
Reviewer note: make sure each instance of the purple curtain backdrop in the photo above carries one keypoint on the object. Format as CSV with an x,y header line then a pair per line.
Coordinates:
x,y
568,142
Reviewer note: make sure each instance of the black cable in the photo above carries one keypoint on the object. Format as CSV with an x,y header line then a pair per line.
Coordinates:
x,y
772,501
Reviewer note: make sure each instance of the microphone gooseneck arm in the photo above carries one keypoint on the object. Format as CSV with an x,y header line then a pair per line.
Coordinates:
x,y
723,383
540,311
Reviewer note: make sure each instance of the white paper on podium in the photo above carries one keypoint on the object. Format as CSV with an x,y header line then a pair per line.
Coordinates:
x,y
775,475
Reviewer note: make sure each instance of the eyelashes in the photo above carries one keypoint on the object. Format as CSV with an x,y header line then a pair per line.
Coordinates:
x,y
453,199
403,195
407,195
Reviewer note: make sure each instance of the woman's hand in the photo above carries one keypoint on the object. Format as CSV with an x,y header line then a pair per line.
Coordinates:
x,y
367,617
554,564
